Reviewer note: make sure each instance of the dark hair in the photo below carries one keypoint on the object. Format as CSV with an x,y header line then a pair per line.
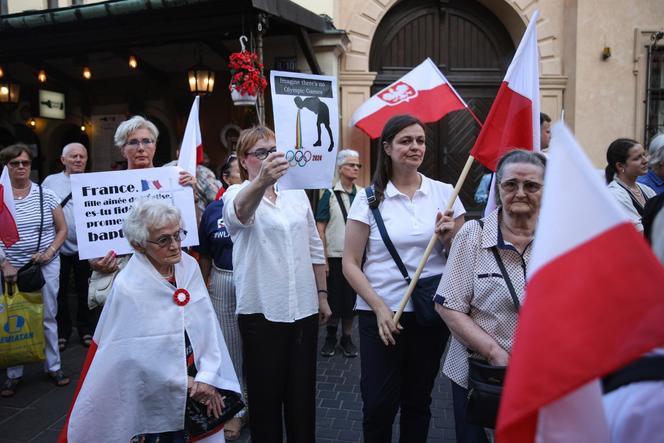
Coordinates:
x,y
225,169
383,172
544,118
13,151
617,152
517,156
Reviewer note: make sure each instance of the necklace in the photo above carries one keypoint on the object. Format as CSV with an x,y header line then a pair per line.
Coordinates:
x,y
18,191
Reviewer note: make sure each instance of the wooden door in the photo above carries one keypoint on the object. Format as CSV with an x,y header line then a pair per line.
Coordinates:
x,y
471,47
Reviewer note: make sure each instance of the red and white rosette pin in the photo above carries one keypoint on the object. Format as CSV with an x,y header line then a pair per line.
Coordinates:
x,y
181,297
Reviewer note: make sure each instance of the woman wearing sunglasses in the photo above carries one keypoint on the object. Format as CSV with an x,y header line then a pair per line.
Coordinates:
x,y
279,273
41,231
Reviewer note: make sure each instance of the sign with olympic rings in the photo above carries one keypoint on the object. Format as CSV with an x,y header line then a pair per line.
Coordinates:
x,y
306,123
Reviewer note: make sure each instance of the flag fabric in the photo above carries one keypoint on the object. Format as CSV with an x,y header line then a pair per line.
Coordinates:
x,y
513,120
593,304
191,150
9,231
134,379
424,93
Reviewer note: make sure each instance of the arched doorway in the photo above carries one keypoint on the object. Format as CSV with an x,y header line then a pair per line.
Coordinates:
x,y
471,47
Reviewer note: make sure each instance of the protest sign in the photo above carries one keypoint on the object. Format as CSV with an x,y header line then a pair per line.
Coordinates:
x,y
306,122
103,199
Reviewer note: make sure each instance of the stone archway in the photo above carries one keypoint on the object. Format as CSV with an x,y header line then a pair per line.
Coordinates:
x,y
361,19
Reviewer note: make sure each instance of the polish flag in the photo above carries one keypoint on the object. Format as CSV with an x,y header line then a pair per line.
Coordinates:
x,y
9,231
593,304
191,150
424,93
513,120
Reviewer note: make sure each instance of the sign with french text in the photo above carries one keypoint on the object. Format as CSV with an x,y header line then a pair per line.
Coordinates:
x,y
103,199
306,122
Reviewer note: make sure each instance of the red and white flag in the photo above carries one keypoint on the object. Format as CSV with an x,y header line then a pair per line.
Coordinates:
x,y
9,231
191,150
593,304
424,93
513,120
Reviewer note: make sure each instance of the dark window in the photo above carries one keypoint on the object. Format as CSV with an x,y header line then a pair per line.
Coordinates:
x,y
655,93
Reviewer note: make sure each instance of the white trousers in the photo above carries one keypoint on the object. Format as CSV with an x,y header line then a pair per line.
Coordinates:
x,y
51,272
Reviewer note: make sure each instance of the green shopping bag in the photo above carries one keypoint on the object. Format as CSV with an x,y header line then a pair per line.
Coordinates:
x,y
21,326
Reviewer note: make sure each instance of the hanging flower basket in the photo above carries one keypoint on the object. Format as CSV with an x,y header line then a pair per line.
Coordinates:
x,y
240,99
247,80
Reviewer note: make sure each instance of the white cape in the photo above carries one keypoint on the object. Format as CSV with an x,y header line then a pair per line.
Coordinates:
x,y
136,379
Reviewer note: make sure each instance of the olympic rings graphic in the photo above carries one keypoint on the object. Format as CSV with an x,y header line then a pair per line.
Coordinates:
x,y
299,158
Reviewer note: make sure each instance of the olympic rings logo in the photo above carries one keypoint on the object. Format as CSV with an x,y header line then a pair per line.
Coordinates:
x,y
299,157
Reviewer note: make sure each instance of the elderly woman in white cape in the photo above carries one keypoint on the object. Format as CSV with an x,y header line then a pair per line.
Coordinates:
x,y
135,380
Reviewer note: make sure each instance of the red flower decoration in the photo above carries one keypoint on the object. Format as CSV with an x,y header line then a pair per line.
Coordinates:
x,y
181,297
246,76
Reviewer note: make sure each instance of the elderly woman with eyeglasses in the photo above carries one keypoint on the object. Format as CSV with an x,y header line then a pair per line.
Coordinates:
x,y
279,273
483,285
42,230
216,262
158,342
137,140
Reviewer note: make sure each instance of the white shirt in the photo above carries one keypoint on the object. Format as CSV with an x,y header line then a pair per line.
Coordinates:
x,y
273,255
61,185
626,202
410,225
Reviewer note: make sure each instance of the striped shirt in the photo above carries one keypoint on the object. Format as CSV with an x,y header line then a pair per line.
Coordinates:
x,y
28,217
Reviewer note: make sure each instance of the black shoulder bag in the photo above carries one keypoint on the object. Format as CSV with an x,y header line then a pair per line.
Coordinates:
x,y
424,291
30,278
485,381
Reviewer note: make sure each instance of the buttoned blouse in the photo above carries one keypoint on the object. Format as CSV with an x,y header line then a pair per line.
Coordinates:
x,y
273,255
473,284
410,223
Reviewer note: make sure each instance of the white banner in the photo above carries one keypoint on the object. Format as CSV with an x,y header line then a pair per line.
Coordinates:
x,y
103,199
306,122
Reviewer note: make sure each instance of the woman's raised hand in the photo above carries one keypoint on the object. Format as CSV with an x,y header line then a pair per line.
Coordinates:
x,y
106,264
273,168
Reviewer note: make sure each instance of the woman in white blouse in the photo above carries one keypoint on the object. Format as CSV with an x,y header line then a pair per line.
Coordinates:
x,y
279,272
399,361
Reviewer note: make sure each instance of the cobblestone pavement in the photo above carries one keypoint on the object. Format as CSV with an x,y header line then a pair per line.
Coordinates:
x,y
37,412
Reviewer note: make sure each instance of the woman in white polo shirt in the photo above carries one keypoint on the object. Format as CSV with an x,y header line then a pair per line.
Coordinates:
x,y
279,273
399,361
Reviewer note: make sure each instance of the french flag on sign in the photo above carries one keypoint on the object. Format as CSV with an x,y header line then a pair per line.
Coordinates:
x,y
424,93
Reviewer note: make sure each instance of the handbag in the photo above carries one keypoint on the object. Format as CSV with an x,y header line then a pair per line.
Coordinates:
x,y
485,381
199,425
22,331
29,277
424,290
100,284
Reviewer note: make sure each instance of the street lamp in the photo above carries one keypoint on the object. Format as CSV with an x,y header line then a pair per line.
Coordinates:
x,y
201,79
9,92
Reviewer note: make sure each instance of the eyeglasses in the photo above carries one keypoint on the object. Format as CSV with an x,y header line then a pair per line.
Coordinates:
x,y
165,240
20,163
261,154
354,165
528,186
134,142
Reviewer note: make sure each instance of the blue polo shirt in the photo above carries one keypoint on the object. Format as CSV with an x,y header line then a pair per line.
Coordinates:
x,y
215,241
653,181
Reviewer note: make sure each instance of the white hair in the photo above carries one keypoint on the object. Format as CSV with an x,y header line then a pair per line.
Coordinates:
x,y
148,214
656,150
344,154
67,149
133,124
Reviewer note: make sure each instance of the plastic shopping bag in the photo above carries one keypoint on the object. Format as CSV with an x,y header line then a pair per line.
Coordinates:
x,y
21,326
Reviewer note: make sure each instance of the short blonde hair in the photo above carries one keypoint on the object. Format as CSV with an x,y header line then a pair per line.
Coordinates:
x,y
247,140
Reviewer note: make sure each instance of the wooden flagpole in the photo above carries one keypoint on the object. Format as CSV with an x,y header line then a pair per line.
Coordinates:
x,y
432,242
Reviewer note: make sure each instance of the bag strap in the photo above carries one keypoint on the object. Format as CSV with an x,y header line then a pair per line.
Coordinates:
x,y
337,194
41,210
635,202
383,234
506,276
64,202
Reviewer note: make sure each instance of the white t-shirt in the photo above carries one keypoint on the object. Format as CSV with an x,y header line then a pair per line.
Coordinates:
x,y
61,185
410,225
273,255
625,201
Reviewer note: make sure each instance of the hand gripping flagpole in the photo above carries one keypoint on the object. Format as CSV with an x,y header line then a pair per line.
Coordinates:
x,y
434,239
